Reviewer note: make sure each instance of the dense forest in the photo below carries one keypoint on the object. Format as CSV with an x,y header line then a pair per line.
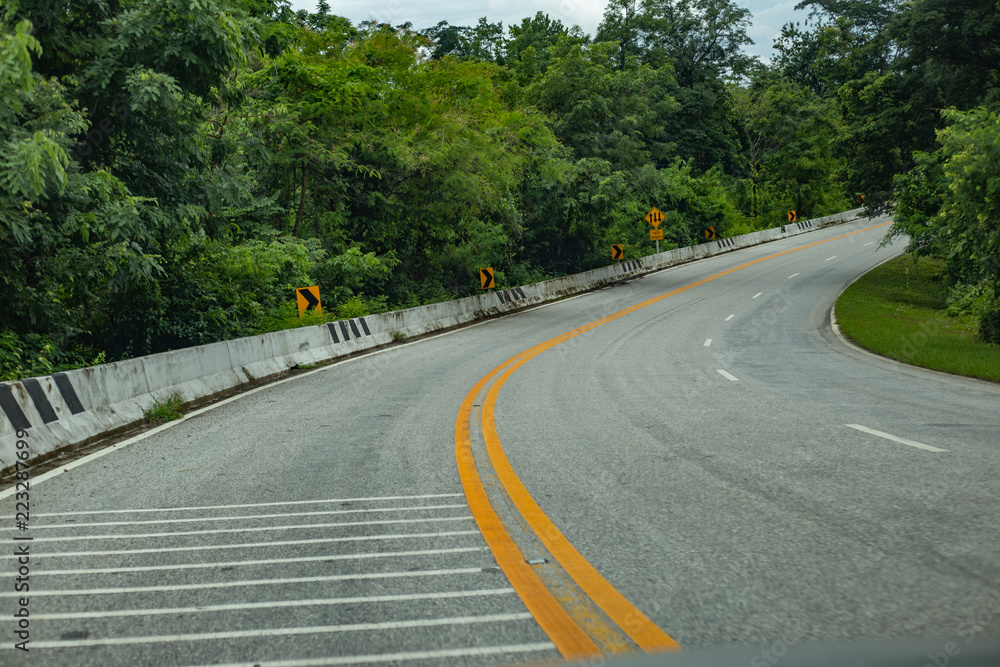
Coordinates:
x,y
170,170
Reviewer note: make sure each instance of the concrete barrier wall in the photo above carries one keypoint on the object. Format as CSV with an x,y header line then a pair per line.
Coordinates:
x,y
69,409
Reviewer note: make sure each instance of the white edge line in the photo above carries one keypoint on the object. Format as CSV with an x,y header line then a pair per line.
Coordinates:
x,y
254,529
310,602
255,545
246,505
245,517
793,275
364,576
727,375
829,258
280,632
265,561
756,295
894,438
477,651
730,317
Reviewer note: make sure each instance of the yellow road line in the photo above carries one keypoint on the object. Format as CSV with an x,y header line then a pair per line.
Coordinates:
x,y
570,641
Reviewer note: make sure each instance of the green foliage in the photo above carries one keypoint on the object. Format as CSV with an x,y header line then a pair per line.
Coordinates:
x,y
600,111
172,170
949,207
898,310
32,355
357,306
212,290
847,40
165,410
787,158
700,43
893,66
977,301
703,39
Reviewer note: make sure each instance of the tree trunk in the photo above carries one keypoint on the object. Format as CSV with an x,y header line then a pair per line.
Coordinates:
x,y
559,235
302,203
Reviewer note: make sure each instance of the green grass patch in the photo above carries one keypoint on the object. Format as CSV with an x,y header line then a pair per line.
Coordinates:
x,y
898,310
166,410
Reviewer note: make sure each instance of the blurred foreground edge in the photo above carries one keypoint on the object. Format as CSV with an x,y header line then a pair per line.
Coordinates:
x,y
959,652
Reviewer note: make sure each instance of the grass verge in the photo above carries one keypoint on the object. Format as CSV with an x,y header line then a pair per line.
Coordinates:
x,y
898,310
164,411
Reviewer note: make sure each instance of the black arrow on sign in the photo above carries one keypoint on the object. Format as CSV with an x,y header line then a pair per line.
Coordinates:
x,y
308,296
617,252
487,279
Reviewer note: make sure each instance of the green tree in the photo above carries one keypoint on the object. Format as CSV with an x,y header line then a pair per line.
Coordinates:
x,y
787,157
622,24
949,206
601,111
484,41
895,67
540,34
702,41
843,41
67,237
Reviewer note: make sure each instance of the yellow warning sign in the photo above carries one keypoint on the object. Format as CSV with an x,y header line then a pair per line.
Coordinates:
x,y
617,252
654,217
710,233
655,234
308,297
486,278
792,217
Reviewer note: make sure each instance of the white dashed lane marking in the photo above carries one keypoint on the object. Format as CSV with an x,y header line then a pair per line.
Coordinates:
x,y
894,438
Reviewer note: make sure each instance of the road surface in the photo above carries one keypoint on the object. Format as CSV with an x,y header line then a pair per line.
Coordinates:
x,y
721,461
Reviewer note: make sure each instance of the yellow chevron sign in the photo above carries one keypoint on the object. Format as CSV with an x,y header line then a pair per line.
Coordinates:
x,y
308,297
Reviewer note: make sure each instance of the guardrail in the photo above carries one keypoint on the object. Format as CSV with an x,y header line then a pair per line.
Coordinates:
x,y
67,410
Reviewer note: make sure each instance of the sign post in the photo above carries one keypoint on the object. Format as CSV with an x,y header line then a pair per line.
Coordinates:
x,y
655,218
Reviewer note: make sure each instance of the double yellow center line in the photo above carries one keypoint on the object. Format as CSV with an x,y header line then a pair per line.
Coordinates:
x,y
552,614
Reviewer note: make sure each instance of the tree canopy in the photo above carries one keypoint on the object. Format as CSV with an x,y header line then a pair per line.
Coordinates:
x,y
172,169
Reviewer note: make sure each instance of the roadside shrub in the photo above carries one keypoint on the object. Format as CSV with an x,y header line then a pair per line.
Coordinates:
x,y
978,301
33,355
989,324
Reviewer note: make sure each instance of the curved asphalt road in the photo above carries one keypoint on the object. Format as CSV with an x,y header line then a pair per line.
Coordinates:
x,y
715,484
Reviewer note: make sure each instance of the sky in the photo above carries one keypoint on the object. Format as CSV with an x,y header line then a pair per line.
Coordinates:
x,y
768,15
